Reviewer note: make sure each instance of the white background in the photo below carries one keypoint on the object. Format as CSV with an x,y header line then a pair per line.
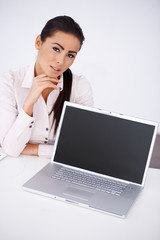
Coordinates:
x,y
121,54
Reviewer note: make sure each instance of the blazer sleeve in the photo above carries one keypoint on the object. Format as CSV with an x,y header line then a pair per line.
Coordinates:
x,y
15,127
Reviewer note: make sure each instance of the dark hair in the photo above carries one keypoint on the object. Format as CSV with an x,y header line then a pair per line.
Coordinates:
x,y
68,25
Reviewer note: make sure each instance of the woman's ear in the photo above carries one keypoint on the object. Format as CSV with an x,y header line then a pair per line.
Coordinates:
x,y
38,42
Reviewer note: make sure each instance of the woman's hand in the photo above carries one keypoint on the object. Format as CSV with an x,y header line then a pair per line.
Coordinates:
x,y
40,83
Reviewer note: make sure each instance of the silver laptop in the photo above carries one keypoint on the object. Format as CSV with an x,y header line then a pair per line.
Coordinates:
x,y
100,160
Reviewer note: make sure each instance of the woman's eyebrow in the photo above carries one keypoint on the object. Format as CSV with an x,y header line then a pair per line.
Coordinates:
x,y
63,48
59,45
72,52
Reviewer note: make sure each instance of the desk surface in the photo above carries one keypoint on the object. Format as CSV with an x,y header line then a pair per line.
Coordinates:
x,y
26,215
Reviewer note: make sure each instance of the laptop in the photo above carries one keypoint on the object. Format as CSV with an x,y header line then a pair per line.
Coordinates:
x,y
100,160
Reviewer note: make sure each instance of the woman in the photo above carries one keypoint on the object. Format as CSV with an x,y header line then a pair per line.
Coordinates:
x,y
32,98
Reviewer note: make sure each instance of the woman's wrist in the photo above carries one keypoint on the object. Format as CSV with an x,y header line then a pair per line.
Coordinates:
x,y
28,108
31,149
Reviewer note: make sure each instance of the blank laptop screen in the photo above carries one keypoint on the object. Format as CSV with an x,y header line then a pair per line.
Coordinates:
x,y
104,144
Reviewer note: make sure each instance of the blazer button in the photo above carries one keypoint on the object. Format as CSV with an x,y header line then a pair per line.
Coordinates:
x,y
47,129
30,126
45,141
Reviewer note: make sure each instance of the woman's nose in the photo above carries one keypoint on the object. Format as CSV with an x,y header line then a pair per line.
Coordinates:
x,y
60,59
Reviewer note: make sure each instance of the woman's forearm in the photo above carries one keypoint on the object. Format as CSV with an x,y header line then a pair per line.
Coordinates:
x,y
31,149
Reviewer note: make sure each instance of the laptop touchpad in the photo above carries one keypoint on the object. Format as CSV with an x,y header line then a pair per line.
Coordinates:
x,y
77,193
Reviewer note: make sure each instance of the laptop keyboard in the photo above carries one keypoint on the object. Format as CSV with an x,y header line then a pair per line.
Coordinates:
x,y
90,181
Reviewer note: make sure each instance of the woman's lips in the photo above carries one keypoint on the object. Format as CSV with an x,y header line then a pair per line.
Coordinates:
x,y
54,69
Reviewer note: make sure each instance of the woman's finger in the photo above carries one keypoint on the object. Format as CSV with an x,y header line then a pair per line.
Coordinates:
x,y
46,78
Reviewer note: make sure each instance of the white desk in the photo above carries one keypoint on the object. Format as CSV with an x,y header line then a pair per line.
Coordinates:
x,y
27,216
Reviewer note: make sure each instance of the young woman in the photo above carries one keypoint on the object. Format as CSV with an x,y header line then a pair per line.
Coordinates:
x,y
32,98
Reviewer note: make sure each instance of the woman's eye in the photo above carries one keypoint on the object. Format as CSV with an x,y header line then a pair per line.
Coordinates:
x,y
56,49
70,55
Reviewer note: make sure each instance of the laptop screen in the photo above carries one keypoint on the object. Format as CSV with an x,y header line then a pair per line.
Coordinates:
x,y
104,144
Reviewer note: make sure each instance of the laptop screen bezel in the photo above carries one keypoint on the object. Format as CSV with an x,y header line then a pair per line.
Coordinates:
x,y
101,111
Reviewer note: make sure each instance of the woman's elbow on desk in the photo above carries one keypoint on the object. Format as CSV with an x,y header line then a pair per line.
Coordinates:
x,y
10,151
11,147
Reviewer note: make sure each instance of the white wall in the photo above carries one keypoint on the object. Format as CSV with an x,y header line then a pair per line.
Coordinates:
x,y
121,54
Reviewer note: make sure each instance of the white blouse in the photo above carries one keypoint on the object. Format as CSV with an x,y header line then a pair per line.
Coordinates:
x,y
16,127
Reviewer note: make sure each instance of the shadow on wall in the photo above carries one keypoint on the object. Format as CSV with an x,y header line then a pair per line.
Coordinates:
x,y
155,160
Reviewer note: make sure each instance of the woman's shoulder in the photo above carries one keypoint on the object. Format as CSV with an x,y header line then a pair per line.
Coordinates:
x,y
7,78
81,90
12,77
77,77
80,80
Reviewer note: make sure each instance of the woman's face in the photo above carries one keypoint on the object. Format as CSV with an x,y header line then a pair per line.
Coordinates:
x,y
56,54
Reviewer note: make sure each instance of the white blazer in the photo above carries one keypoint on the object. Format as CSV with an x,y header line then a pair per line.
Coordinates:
x,y
16,127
